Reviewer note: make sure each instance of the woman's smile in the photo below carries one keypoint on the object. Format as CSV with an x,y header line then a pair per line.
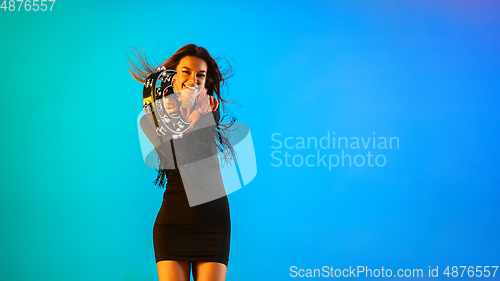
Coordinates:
x,y
194,87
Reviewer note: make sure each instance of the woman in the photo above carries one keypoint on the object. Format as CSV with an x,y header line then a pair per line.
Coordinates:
x,y
185,236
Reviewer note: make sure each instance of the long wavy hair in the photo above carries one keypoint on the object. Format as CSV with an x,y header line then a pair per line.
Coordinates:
x,y
215,79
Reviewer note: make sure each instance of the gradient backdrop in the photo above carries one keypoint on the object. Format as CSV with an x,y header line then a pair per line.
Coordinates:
x,y
77,201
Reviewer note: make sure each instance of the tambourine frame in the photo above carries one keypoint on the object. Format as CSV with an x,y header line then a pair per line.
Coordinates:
x,y
157,86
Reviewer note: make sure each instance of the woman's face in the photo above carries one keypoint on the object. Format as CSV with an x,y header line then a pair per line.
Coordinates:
x,y
191,74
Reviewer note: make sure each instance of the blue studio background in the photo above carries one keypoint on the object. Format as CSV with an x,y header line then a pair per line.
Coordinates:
x,y
77,202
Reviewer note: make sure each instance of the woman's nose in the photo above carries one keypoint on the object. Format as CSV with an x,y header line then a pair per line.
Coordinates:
x,y
193,78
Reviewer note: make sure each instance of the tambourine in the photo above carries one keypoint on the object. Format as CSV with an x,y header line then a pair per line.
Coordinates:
x,y
158,86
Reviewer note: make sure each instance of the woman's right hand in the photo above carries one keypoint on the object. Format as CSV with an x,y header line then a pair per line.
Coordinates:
x,y
171,105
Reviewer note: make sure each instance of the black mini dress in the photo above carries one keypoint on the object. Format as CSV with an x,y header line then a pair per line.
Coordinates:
x,y
184,233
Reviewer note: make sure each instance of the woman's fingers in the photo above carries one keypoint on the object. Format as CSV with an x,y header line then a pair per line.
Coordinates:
x,y
214,103
206,103
203,98
202,101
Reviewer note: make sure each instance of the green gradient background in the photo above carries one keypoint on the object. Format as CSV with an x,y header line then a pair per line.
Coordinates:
x,y
76,200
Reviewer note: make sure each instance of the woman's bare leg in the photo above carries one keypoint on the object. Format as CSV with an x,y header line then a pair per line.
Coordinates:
x,y
173,270
209,271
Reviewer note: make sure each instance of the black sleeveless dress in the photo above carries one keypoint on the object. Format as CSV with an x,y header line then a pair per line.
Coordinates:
x,y
184,233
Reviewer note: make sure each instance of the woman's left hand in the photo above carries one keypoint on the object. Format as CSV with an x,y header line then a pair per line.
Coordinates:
x,y
206,103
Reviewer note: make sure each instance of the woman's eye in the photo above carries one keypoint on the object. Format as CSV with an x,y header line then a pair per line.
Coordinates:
x,y
201,75
185,71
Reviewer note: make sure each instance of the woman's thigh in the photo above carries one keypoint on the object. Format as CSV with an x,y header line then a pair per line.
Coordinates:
x,y
209,271
173,270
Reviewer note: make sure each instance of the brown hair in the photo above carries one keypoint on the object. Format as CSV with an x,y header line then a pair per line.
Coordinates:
x,y
214,80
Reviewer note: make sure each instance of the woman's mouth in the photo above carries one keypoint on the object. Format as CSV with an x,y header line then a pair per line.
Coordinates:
x,y
194,87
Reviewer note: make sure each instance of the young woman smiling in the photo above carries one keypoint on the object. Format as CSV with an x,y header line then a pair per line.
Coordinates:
x,y
191,238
